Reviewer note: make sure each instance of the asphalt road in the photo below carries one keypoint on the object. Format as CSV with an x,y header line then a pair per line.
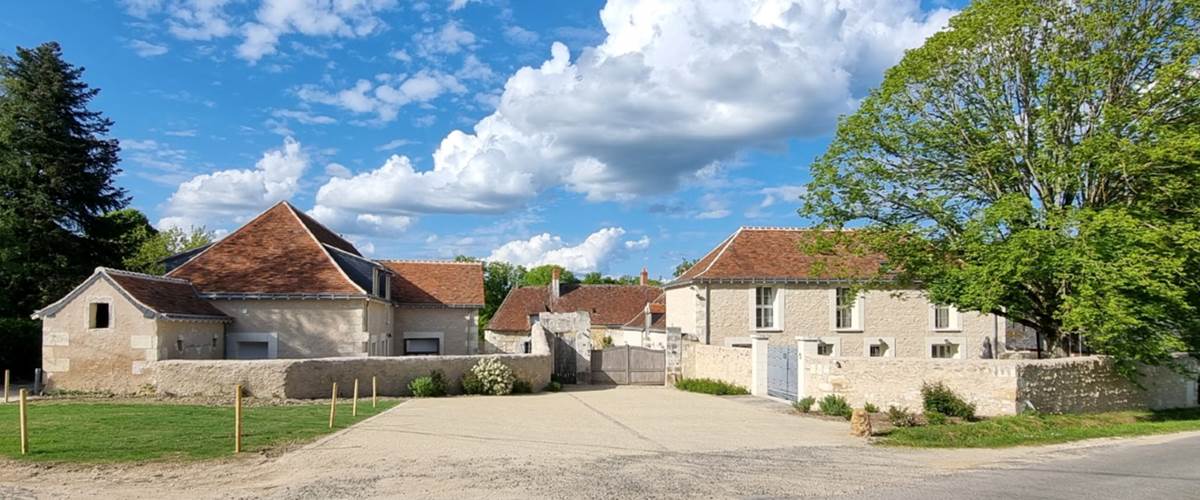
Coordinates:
x,y
1159,470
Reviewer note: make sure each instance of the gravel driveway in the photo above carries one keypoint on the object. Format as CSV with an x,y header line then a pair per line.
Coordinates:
x,y
583,443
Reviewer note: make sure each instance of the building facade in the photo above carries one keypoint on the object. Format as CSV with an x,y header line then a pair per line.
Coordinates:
x,y
759,282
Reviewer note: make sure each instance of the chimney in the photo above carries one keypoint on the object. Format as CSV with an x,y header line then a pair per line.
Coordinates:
x,y
645,277
554,290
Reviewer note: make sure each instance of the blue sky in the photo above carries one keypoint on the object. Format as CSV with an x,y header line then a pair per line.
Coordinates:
x,y
598,135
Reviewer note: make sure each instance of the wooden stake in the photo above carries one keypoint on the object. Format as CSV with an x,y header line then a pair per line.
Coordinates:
x,y
6,386
374,393
333,406
354,405
24,425
237,420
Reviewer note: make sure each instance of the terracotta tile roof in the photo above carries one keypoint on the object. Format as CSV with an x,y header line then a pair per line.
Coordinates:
x,y
436,282
607,304
759,253
166,298
164,295
280,251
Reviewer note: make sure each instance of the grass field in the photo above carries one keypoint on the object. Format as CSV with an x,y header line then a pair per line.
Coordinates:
x,y
1023,430
89,431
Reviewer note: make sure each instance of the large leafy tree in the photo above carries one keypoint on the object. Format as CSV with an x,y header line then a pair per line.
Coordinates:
x,y
541,276
56,179
1040,159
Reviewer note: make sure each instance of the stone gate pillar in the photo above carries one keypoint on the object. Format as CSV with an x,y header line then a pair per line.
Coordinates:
x,y
674,355
758,365
806,347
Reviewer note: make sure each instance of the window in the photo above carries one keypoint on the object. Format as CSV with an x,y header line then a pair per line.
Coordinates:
x,y
943,351
824,349
877,350
764,308
100,315
422,347
941,317
179,344
847,311
381,283
527,347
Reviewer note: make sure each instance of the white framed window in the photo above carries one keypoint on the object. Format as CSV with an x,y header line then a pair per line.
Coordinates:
x,y
879,347
824,349
99,315
945,347
944,318
767,308
847,311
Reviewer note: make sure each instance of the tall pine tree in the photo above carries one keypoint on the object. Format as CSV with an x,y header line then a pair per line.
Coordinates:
x,y
57,166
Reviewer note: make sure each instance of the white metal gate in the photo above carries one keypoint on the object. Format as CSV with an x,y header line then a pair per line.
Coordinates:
x,y
781,372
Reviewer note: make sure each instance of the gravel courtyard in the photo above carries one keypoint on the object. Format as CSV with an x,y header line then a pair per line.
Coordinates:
x,y
582,443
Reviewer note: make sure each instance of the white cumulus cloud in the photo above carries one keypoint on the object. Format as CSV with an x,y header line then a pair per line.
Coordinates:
x,y
146,49
385,99
226,198
675,87
593,254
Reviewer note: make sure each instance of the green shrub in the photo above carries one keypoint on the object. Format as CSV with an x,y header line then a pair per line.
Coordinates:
x,y
470,383
901,417
553,386
495,377
933,417
939,398
835,406
710,386
870,408
805,404
521,387
429,386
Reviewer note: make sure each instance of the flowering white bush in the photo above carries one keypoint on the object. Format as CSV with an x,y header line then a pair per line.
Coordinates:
x,y
495,377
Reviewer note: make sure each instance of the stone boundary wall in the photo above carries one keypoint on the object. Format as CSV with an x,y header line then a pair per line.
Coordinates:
x,y
1092,385
313,378
998,387
728,364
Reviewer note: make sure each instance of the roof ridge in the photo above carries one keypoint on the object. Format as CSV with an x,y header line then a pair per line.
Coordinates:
x,y
300,214
134,274
217,243
321,246
724,246
430,261
793,228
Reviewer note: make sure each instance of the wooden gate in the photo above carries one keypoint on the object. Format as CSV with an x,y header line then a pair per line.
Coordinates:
x,y
629,365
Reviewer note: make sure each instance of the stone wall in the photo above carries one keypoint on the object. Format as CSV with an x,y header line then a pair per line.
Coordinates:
x,y
990,385
728,364
313,378
504,342
997,387
1092,385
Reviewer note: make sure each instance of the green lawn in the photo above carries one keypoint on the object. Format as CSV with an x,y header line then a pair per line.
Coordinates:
x,y
1022,430
123,431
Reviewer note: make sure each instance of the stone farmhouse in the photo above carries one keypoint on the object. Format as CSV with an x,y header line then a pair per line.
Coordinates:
x,y
281,286
757,283
625,314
